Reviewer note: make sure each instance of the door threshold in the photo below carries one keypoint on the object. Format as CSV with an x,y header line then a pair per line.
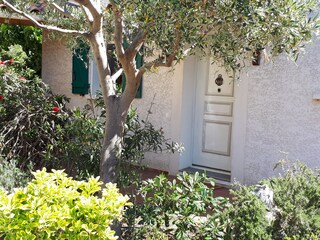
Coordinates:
x,y
219,177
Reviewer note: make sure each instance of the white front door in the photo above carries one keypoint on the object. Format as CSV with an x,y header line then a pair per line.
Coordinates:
x,y
213,117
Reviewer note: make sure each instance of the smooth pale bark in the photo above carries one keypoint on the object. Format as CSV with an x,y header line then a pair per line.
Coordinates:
x,y
112,140
116,106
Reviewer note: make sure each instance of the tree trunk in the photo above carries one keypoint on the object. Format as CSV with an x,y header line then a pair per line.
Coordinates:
x,y
116,107
113,134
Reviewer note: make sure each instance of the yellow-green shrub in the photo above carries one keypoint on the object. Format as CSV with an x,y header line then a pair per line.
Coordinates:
x,y
54,206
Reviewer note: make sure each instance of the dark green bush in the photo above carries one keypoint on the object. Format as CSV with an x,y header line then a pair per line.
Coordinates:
x,y
29,37
176,209
297,196
296,208
78,146
246,217
36,127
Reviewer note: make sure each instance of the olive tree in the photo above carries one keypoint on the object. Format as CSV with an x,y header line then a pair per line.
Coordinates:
x,y
228,30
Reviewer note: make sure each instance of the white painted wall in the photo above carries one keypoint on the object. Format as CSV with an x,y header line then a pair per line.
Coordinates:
x,y
273,111
158,92
57,70
281,115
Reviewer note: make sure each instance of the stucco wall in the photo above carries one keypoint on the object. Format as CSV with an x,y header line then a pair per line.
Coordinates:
x,y
57,70
157,90
157,95
281,114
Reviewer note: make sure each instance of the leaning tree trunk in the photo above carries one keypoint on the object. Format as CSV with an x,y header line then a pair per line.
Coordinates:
x,y
116,107
116,114
113,134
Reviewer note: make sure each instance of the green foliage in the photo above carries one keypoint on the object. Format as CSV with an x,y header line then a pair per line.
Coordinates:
x,y
11,176
173,209
140,136
243,27
246,216
27,117
53,206
77,146
297,195
296,211
231,30
30,38
36,127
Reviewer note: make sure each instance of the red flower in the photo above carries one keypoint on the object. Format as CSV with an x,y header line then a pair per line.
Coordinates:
x,y
1,97
2,63
55,109
10,61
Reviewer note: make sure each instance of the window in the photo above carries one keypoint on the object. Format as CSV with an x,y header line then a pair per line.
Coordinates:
x,y
86,80
80,80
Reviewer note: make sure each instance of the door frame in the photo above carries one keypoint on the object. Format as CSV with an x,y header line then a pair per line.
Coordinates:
x,y
183,116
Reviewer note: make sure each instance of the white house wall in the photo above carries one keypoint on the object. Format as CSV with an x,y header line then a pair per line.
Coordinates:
x,y
57,70
281,114
274,111
275,115
157,95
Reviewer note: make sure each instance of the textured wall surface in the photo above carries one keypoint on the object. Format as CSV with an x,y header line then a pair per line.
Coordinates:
x,y
157,94
157,90
281,115
57,70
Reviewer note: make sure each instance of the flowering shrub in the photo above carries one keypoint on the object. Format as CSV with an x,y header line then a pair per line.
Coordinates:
x,y
35,125
53,206
27,124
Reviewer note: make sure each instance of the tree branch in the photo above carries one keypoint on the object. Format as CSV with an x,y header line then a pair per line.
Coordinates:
x,y
118,40
161,61
115,76
61,10
96,25
87,14
91,7
43,26
136,44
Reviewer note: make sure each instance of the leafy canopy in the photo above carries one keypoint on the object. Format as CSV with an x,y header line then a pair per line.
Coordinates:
x,y
229,29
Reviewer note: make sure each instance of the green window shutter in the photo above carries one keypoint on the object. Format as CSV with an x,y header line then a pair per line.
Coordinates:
x,y
139,63
80,71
